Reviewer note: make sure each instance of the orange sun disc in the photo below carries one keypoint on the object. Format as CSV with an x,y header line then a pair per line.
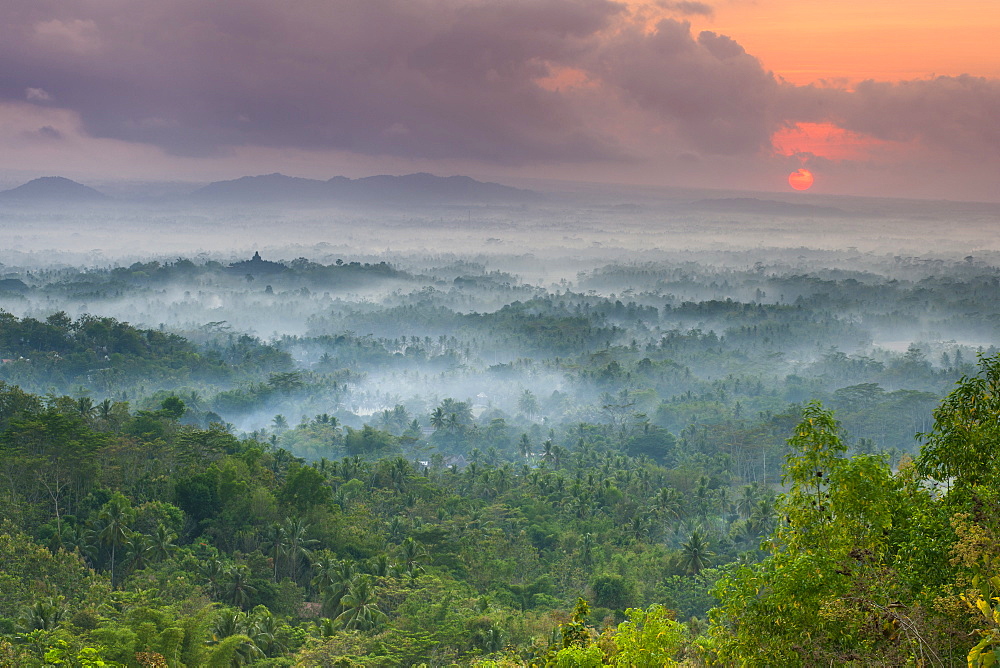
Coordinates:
x,y
800,179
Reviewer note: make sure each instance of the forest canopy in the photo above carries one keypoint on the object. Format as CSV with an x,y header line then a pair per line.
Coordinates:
x,y
657,464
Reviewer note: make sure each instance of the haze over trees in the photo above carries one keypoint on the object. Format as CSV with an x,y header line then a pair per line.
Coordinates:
x,y
304,455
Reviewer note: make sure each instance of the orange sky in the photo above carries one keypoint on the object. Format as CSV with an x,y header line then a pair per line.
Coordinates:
x,y
805,41
313,88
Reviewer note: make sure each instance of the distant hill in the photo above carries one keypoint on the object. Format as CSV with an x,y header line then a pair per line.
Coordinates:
x,y
52,189
765,207
410,189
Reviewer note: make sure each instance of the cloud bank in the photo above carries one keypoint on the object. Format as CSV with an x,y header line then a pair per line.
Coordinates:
x,y
505,82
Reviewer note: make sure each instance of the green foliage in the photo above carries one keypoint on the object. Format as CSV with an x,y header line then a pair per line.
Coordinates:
x,y
236,650
647,639
412,562
612,591
963,446
304,488
825,591
369,442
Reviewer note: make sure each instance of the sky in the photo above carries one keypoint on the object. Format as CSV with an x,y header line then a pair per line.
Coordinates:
x,y
895,98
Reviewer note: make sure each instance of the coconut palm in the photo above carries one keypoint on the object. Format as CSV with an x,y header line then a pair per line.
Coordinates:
x,y
104,410
361,611
85,407
236,587
114,519
438,418
695,555
297,544
139,549
411,554
548,452
162,545
333,583
212,571
44,614
277,541
380,566
524,446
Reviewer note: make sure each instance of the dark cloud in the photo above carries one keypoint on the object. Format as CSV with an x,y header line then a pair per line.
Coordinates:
x,y
951,116
47,132
718,97
441,79
401,77
958,114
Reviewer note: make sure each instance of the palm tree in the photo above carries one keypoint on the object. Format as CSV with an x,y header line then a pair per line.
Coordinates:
x,y
277,541
361,611
139,548
104,410
748,500
527,403
399,472
114,519
548,454
212,571
237,588
695,555
323,566
162,545
411,553
380,566
489,639
44,614
85,406
438,418
461,411
297,544
669,502
334,582
229,624
587,549
280,423
263,630
524,446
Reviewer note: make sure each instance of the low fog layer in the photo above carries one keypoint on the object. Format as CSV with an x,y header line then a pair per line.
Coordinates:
x,y
676,313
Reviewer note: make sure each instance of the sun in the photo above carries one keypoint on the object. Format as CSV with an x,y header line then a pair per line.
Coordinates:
x,y
800,179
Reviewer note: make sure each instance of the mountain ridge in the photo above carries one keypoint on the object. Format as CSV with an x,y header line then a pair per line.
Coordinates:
x,y
53,189
419,187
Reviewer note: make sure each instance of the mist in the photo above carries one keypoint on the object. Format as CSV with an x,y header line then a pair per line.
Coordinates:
x,y
675,309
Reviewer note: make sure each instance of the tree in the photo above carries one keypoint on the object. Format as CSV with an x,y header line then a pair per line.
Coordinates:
x,y
305,488
173,407
963,447
333,579
360,605
277,540
44,614
162,545
827,592
52,454
114,520
524,446
297,544
647,639
612,591
236,586
695,555
438,418
411,553
527,403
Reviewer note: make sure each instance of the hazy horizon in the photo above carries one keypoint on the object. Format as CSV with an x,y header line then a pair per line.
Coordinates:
x,y
890,99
